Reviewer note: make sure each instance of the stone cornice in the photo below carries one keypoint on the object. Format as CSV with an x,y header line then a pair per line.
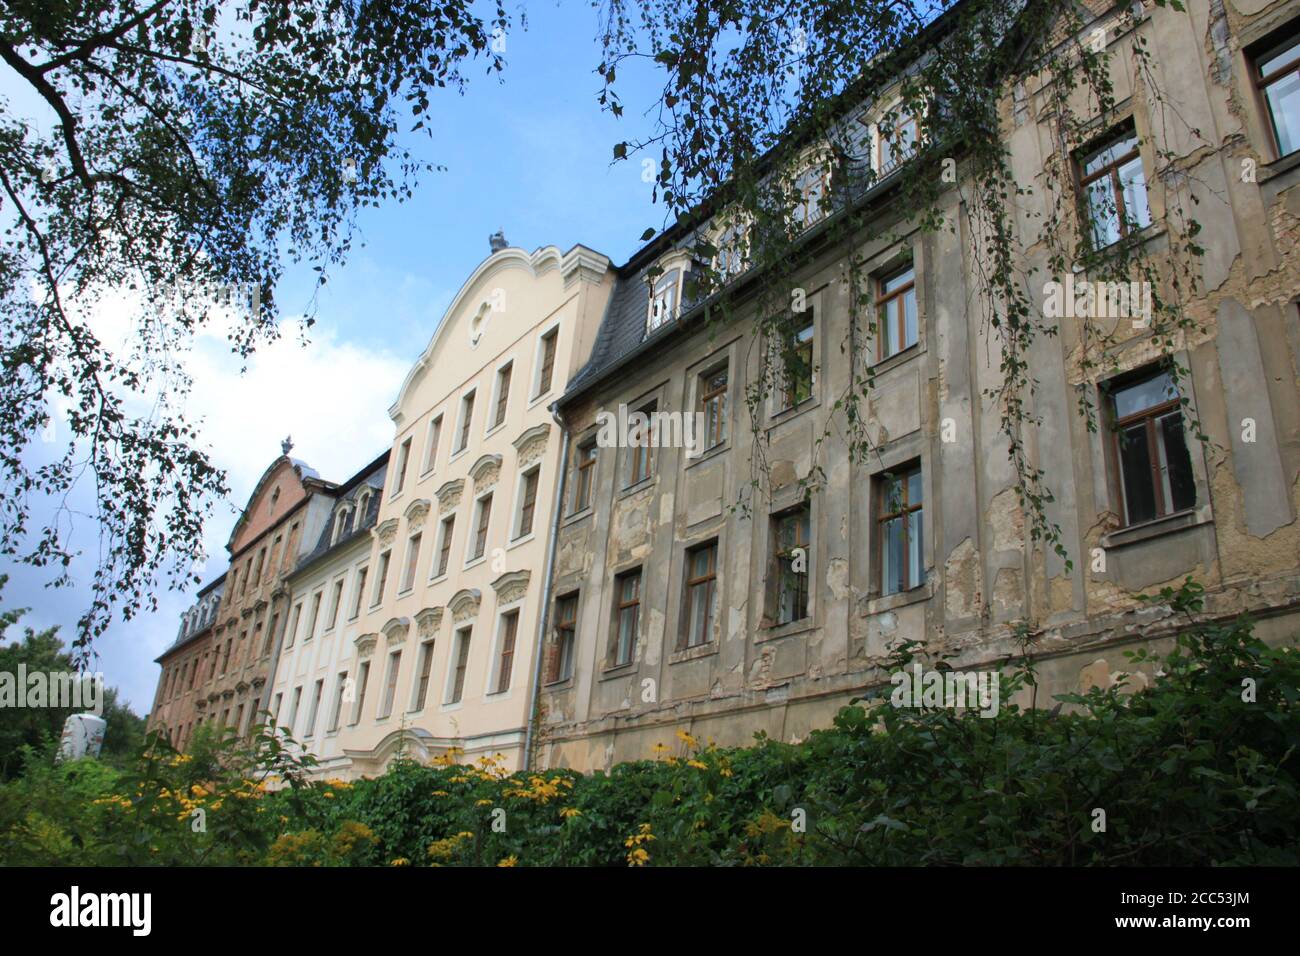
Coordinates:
x,y
511,586
449,495
485,471
464,605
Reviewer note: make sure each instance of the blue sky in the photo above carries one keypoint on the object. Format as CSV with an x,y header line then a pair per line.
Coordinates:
x,y
529,155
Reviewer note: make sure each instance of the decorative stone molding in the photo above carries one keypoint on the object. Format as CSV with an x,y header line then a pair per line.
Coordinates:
x,y
227,694
511,586
581,264
531,445
261,605
428,621
201,704
386,531
416,511
485,472
247,612
396,629
365,645
241,687
449,495
258,682
464,605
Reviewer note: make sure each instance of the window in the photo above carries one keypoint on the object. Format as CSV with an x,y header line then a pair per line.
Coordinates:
x,y
293,709
336,709
359,594
627,612
422,682
382,580
336,599
466,417
897,143
1115,190
275,550
528,504
797,363
225,660
503,393
566,624
462,664
444,549
315,708
257,568
313,617
790,547
641,453
1155,468
663,299
363,678
270,634
390,686
342,523
896,312
431,444
1278,78
412,560
506,664
403,458
899,524
713,403
812,193
548,362
480,533
732,245
584,473
239,721
293,627
701,595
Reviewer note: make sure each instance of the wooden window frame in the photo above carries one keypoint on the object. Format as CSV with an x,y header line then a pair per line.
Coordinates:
x,y
641,456
1290,37
467,420
566,636
1111,170
504,374
901,474
789,385
448,528
528,501
781,553
482,527
1117,427
713,403
550,343
884,300
506,651
584,475
709,581
460,671
620,606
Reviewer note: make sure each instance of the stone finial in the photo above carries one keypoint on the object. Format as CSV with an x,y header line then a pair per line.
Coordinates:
x,y
286,446
498,241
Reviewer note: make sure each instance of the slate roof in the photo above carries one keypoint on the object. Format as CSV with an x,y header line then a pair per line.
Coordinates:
x,y
372,476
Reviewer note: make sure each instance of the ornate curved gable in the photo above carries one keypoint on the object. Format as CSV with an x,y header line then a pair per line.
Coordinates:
x,y
281,487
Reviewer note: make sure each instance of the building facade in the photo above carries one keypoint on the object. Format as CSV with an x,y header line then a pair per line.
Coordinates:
x,y
282,521
444,655
672,609
310,688
175,706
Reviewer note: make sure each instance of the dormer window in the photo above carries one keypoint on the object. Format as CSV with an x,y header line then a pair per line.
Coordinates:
x,y
812,194
664,299
732,244
363,507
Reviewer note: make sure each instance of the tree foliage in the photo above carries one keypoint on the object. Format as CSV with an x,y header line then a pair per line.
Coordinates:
x,y
184,152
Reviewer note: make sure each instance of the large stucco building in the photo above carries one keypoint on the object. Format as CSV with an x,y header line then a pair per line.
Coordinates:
x,y
679,611
531,591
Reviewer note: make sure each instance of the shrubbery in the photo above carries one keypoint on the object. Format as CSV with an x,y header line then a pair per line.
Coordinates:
x,y
1198,769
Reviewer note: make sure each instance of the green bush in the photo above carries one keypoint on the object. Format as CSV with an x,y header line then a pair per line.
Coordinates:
x,y
1197,769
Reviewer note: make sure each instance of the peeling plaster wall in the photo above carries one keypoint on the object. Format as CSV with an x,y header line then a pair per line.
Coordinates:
x,y
985,579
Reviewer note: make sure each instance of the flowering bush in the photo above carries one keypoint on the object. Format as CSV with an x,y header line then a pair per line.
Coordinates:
x,y
1198,769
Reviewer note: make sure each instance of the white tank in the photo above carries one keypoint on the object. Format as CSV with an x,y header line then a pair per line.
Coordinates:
x,y
83,736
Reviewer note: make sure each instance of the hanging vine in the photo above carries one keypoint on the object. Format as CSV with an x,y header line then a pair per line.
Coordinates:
x,y
760,93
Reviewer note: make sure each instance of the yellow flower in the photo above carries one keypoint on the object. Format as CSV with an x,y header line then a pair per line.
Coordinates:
x,y
482,803
697,764
511,860
328,794
400,861
687,739
570,812
638,857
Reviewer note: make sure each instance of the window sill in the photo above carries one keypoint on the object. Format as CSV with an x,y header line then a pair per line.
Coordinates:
x,y
405,592
794,411
426,475
617,671
880,603
560,683
523,539
1157,527
457,453
708,649
497,696
642,485
1283,164
709,453
448,708
897,359
577,516
475,562
494,429
1099,256
774,632
439,579
538,399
